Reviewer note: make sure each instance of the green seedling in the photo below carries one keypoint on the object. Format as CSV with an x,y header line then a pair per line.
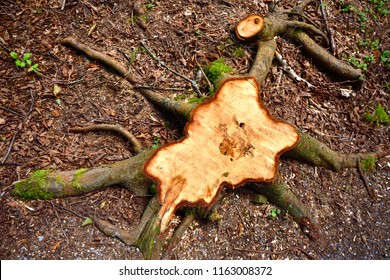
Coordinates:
x,y
379,6
373,45
156,142
149,6
369,58
385,57
357,63
275,212
378,117
25,61
346,7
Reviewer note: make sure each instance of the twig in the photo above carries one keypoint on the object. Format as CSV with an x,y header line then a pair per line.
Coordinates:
x,y
278,252
11,111
30,109
60,82
68,210
110,127
63,5
370,191
242,220
193,83
59,221
159,88
9,147
210,85
331,39
290,71
9,163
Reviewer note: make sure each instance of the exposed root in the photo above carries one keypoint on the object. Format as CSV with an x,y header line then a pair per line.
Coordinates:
x,y
263,60
337,67
177,108
48,184
279,194
129,238
314,152
115,128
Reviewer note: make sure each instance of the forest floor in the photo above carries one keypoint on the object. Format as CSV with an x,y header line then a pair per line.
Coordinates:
x,y
37,111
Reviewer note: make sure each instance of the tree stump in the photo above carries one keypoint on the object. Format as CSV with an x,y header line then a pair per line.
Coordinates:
x,y
229,140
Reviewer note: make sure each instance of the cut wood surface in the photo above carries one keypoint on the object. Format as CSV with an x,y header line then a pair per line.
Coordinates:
x,y
229,140
249,27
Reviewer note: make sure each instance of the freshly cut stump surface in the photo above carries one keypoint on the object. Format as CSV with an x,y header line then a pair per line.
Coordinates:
x,y
229,140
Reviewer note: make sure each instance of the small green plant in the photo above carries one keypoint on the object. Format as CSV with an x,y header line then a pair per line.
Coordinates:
x,y
368,164
369,58
25,61
275,212
379,6
198,32
156,142
378,117
149,6
216,70
373,45
346,7
385,57
362,17
357,63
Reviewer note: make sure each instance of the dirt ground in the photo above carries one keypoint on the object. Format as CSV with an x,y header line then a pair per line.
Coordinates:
x,y
37,111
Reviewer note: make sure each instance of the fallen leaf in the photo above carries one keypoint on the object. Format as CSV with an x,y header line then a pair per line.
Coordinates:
x,y
87,221
56,90
56,245
56,113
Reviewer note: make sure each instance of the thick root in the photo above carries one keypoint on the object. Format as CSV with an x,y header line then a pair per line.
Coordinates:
x,y
279,194
48,184
314,152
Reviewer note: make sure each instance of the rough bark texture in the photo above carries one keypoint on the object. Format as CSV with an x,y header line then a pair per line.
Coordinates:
x,y
47,184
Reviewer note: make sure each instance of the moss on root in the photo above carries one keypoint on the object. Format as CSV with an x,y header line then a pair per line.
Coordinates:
x,y
34,187
77,176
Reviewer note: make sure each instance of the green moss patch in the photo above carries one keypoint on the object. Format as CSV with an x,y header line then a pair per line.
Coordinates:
x,y
216,70
77,176
33,187
368,164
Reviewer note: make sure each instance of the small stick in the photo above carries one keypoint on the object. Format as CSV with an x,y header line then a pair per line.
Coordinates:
x,y
370,191
60,82
331,39
158,88
31,105
11,111
59,221
110,127
63,5
193,83
67,209
242,220
287,68
9,148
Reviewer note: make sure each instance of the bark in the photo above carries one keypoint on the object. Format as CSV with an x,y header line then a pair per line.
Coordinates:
x,y
47,184
336,67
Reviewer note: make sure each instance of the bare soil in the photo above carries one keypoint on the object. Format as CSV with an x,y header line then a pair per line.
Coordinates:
x,y
34,123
